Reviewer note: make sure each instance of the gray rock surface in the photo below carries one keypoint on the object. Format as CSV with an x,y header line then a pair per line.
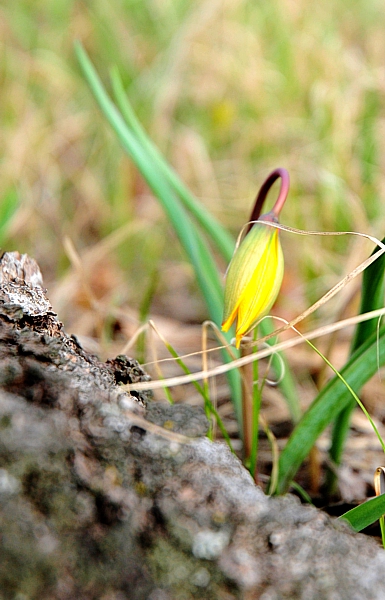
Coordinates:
x,y
101,498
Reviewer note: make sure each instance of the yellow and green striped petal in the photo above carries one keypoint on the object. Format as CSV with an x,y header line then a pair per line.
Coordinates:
x,y
253,279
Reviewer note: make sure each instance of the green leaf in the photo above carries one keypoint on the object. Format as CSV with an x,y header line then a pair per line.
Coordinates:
x,y
329,402
372,298
365,514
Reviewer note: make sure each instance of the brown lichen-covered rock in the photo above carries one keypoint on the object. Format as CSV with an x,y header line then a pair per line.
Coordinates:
x,y
101,498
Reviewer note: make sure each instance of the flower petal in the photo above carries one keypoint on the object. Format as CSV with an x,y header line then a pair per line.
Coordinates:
x,y
241,268
263,287
253,280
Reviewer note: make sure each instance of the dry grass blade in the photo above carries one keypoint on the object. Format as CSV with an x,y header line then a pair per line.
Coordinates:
x,y
319,332
156,429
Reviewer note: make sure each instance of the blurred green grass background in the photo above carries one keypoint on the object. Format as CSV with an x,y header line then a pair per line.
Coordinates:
x,y
228,90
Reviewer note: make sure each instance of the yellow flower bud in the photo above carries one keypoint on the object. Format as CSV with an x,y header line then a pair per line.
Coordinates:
x,y
253,278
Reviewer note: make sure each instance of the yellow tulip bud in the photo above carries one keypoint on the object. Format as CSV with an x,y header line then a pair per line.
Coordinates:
x,y
253,278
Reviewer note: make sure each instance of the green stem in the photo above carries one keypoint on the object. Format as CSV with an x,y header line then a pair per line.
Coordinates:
x,y
257,396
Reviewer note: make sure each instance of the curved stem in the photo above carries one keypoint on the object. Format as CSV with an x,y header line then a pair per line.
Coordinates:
x,y
265,188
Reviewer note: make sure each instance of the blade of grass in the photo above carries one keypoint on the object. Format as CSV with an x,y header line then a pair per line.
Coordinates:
x,y
373,290
193,244
382,527
329,402
195,247
144,311
209,407
301,492
217,233
365,514
372,298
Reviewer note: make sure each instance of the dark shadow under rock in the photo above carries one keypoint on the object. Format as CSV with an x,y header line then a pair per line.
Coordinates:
x,y
100,501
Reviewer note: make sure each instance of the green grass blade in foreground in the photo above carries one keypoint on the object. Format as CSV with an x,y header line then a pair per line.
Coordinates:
x,y
334,396
216,232
372,298
365,514
193,244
